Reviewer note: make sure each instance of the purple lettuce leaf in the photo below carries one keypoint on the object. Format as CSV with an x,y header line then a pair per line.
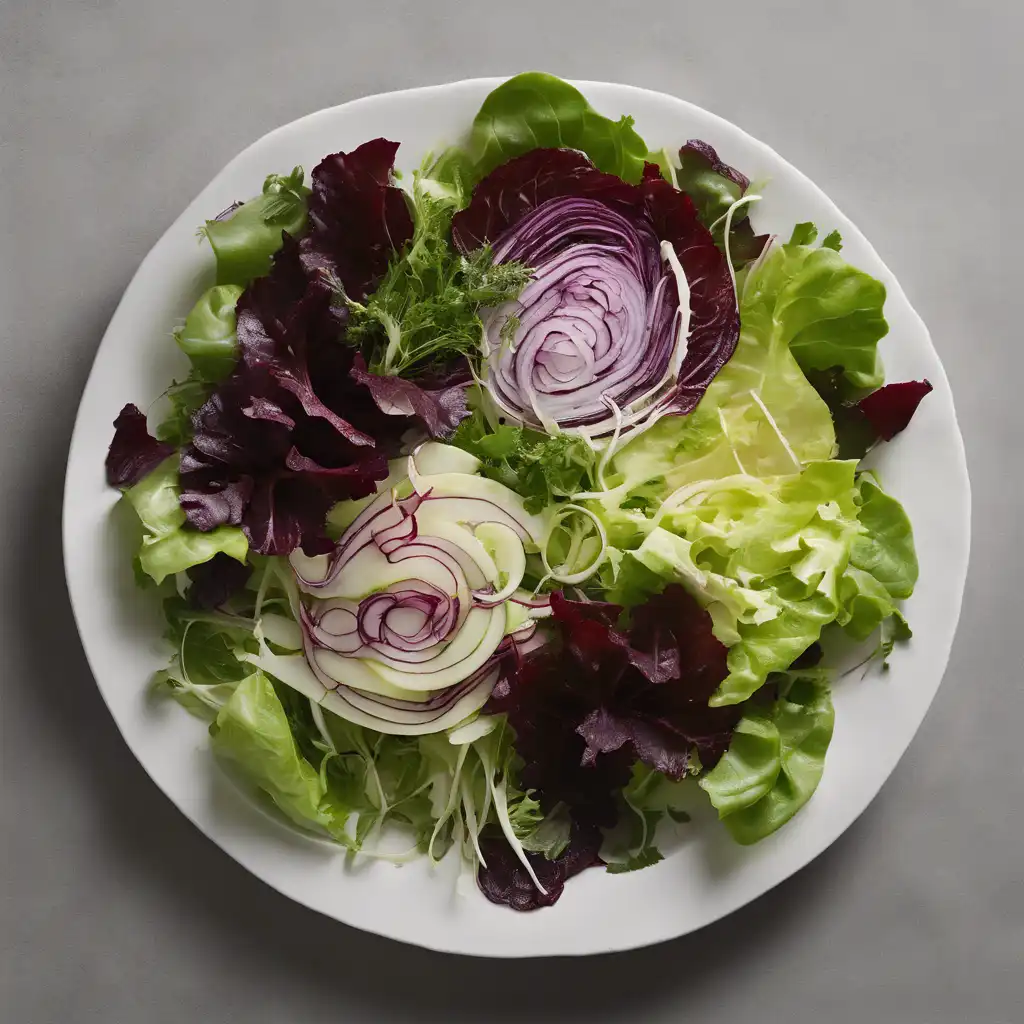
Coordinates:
x,y
134,452
358,218
880,416
598,697
299,425
440,410
890,409
213,582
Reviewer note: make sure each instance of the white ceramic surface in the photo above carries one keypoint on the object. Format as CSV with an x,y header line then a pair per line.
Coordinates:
x,y
706,876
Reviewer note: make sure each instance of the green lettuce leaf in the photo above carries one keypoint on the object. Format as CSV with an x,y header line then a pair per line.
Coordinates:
x,y
743,502
748,771
827,312
208,336
775,761
532,111
252,730
168,546
760,416
765,557
886,548
248,236
883,568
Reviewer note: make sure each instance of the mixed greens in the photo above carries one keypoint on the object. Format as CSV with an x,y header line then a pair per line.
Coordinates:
x,y
507,510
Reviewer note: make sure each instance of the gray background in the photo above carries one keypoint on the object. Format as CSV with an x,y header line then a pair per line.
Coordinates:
x,y
114,115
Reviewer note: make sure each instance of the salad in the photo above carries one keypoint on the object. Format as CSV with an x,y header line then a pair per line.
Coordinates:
x,y
509,507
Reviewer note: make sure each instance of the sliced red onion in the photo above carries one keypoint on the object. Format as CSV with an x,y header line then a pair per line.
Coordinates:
x,y
602,325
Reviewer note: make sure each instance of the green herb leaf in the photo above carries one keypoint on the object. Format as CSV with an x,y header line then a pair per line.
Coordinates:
x,y
804,233
540,467
833,240
427,308
894,630
644,859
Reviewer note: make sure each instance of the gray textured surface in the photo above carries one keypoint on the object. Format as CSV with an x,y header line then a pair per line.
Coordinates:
x,y
113,116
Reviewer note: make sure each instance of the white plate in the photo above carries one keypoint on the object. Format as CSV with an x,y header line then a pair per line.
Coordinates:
x,y
707,876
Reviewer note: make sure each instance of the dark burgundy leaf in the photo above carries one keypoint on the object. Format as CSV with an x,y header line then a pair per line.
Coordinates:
x,y
439,410
890,408
363,474
134,452
505,881
675,617
285,512
860,425
700,152
213,582
293,430
713,185
604,732
659,664
515,188
359,219
265,409
587,631
275,333
597,697
220,503
714,314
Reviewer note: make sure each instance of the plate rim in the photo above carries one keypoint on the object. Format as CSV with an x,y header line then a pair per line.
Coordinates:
x,y
589,946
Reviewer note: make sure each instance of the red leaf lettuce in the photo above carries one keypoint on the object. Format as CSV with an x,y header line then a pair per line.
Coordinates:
x,y
134,452
596,698
300,424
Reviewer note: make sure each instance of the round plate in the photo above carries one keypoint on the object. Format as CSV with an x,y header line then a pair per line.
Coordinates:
x,y
706,875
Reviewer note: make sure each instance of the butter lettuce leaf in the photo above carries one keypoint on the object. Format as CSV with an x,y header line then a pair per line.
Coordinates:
x,y
883,567
208,335
775,761
252,730
826,311
886,547
245,236
765,557
533,111
168,545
